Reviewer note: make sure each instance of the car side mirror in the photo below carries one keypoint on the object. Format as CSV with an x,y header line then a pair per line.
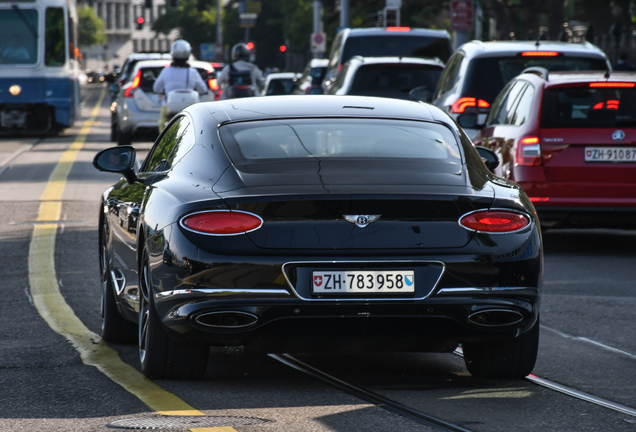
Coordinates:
x,y
469,121
490,158
421,94
119,159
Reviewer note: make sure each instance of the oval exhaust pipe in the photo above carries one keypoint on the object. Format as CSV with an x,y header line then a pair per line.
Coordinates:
x,y
495,317
226,319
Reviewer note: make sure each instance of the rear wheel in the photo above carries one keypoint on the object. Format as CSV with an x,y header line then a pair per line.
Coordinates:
x,y
115,328
123,138
113,128
513,359
160,356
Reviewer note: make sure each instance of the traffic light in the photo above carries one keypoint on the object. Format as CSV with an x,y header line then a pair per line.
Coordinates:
x,y
282,48
140,23
250,45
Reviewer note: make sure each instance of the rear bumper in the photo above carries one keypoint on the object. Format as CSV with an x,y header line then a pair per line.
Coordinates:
x,y
433,325
605,216
132,120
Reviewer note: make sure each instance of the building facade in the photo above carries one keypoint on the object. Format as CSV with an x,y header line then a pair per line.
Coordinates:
x,y
124,34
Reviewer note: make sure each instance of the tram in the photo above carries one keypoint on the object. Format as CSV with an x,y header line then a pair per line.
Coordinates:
x,y
39,66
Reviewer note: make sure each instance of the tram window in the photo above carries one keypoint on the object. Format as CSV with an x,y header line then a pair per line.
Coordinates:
x,y
18,36
54,54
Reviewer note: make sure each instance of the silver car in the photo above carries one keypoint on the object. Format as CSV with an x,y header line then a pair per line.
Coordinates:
x,y
136,109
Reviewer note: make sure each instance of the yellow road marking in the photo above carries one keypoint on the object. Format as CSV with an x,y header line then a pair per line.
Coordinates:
x,y
51,305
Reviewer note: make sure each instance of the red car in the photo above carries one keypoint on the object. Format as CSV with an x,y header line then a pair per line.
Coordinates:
x,y
569,139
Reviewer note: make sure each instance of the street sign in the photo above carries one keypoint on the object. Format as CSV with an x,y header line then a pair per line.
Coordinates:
x,y
247,19
318,43
207,51
461,15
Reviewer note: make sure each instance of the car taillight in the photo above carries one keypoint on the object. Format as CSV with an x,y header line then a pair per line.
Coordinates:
x,y
610,104
540,54
213,84
461,104
528,152
539,199
135,83
612,85
222,222
494,221
398,29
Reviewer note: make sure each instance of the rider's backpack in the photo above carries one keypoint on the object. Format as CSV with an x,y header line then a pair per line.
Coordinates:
x,y
240,83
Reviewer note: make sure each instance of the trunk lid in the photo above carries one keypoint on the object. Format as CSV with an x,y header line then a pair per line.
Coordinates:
x,y
565,151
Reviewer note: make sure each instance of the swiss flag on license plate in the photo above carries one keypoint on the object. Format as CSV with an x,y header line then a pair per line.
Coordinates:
x,y
317,280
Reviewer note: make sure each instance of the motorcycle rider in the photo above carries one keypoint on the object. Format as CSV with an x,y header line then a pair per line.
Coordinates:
x,y
241,77
178,76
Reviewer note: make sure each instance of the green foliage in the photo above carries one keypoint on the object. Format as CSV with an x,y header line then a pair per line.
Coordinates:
x,y
91,27
194,25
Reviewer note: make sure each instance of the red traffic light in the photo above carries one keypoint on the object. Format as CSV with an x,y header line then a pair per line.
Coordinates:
x,y
250,45
282,48
140,20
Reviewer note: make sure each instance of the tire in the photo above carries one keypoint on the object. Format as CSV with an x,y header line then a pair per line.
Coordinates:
x,y
513,359
115,329
122,137
160,356
113,129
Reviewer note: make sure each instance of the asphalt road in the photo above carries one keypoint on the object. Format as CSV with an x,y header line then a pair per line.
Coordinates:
x,y
588,337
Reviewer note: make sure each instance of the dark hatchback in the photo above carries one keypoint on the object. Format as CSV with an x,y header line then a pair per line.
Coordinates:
x,y
318,223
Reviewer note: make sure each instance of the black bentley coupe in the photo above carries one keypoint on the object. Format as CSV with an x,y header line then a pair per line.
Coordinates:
x,y
317,223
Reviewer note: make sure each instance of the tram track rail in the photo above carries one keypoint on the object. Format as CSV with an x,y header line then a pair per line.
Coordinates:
x,y
569,391
369,396
427,419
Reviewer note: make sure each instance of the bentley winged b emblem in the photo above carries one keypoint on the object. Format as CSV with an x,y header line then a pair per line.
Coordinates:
x,y
361,220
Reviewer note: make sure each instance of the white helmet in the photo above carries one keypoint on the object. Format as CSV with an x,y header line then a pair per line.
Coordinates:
x,y
180,50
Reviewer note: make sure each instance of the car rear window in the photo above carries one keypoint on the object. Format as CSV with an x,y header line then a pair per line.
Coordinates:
x,y
396,45
585,107
280,86
500,70
340,139
394,80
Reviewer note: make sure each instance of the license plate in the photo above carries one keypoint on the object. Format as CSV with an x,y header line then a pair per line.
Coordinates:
x,y
363,282
610,154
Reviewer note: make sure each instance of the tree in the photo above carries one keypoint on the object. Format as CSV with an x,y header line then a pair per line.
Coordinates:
x,y
195,20
91,27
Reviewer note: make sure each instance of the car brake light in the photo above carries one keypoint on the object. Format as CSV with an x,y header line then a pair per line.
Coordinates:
x,y
213,84
612,85
135,83
610,104
539,199
529,152
461,104
398,29
540,54
222,222
494,221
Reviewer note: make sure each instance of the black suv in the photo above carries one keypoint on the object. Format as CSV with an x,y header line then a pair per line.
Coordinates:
x,y
382,42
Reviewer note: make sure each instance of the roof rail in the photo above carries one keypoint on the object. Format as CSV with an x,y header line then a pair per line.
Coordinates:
x,y
537,70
